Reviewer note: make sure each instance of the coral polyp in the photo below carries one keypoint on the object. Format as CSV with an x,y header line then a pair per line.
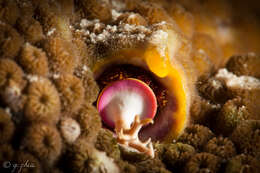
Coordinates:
x,y
31,28
10,71
43,103
72,92
176,155
34,60
196,135
245,65
82,153
44,141
232,113
5,15
89,121
61,59
222,147
11,41
249,132
243,163
106,142
100,9
203,162
132,19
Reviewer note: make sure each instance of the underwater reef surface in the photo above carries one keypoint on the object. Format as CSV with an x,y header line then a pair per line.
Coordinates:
x,y
199,61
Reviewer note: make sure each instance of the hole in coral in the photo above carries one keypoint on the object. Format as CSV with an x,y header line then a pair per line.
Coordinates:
x,y
47,141
35,55
166,101
2,127
191,130
203,165
123,71
6,35
86,163
44,99
220,142
5,155
9,75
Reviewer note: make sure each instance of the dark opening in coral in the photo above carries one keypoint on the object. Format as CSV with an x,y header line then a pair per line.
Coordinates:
x,y
165,100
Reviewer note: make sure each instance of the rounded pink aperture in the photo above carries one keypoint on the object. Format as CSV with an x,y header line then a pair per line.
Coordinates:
x,y
124,99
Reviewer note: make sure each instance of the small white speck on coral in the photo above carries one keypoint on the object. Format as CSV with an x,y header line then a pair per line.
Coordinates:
x,y
8,111
160,39
115,14
51,31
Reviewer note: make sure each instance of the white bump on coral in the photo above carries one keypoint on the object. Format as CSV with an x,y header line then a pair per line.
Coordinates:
x,y
70,129
85,23
234,81
115,14
51,31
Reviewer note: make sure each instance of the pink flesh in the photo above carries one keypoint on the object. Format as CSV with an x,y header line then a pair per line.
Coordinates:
x,y
141,101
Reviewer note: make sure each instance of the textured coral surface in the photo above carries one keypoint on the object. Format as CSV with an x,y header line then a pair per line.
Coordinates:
x,y
50,79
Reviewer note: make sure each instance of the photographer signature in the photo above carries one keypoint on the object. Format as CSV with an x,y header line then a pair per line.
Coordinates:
x,y
15,167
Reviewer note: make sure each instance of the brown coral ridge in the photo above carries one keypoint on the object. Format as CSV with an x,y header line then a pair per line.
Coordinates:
x,y
222,147
5,7
34,60
203,162
132,19
12,84
176,155
71,92
89,121
213,89
204,111
153,12
89,83
151,166
30,28
246,137
232,113
83,157
243,163
43,102
247,65
11,72
196,135
61,59
10,40
44,141
107,142
97,9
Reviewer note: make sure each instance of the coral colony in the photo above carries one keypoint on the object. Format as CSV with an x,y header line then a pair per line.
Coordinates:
x,y
129,86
